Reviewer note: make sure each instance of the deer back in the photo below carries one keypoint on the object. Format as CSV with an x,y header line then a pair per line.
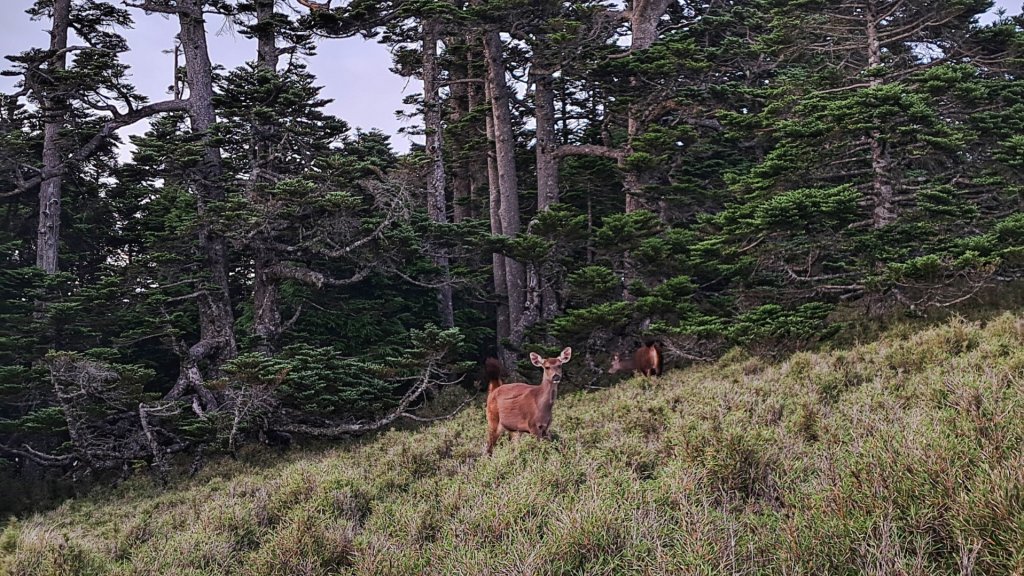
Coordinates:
x,y
646,359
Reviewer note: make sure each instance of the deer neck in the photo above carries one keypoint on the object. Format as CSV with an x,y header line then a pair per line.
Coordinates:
x,y
548,389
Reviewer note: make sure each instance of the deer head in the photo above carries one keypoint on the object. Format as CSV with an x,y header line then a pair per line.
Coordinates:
x,y
552,366
617,364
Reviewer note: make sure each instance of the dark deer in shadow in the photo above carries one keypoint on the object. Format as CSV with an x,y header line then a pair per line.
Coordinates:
x,y
646,360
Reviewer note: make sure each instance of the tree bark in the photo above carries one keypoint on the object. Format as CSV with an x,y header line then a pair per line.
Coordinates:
x,y
644,16
884,212
266,307
267,325
216,317
503,328
547,142
477,99
547,178
459,71
436,202
266,36
462,184
54,109
504,147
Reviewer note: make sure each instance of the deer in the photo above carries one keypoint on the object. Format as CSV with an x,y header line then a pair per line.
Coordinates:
x,y
646,360
521,407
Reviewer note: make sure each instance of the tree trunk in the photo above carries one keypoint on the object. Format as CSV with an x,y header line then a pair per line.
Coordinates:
x,y
462,183
54,109
266,36
459,103
547,177
477,163
436,202
547,163
884,212
267,325
266,305
644,16
216,317
503,326
504,146
885,209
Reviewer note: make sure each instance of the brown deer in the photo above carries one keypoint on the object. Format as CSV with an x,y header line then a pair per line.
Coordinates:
x,y
646,360
522,407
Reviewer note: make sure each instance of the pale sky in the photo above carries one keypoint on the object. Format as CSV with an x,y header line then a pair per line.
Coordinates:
x,y
353,72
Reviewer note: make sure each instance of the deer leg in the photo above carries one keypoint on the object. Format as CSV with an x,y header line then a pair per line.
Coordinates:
x,y
493,430
492,438
538,430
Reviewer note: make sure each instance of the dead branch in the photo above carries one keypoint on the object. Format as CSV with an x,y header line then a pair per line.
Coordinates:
x,y
288,271
589,150
315,6
93,145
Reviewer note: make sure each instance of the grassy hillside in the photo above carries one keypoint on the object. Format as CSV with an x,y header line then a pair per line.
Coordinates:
x,y
902,456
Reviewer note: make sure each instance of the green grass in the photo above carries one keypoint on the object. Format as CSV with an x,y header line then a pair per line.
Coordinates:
x,y
902,456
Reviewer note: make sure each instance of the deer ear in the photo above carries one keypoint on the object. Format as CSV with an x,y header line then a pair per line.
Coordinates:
x,y
536,359
565,355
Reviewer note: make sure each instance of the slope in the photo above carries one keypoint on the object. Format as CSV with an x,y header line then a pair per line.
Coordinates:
x,y
901,456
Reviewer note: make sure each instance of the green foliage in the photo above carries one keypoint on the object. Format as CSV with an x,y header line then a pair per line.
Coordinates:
x,y
579,321
592,283
808,210
773,327
624,231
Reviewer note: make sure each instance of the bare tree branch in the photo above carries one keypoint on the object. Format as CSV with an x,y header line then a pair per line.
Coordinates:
x,y
93,145
285,270
589,150
315,6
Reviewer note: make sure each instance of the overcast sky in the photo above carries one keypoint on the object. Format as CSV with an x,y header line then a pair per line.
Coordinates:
x,y
354,72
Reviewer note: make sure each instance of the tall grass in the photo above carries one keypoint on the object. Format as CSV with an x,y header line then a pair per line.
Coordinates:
x,y
902,456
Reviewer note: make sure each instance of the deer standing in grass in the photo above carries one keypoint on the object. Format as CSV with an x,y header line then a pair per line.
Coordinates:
x,y
521,407
646,360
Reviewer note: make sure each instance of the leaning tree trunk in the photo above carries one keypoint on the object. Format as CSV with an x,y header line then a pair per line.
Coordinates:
x,y
436,204
54,109
216,317
504,151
